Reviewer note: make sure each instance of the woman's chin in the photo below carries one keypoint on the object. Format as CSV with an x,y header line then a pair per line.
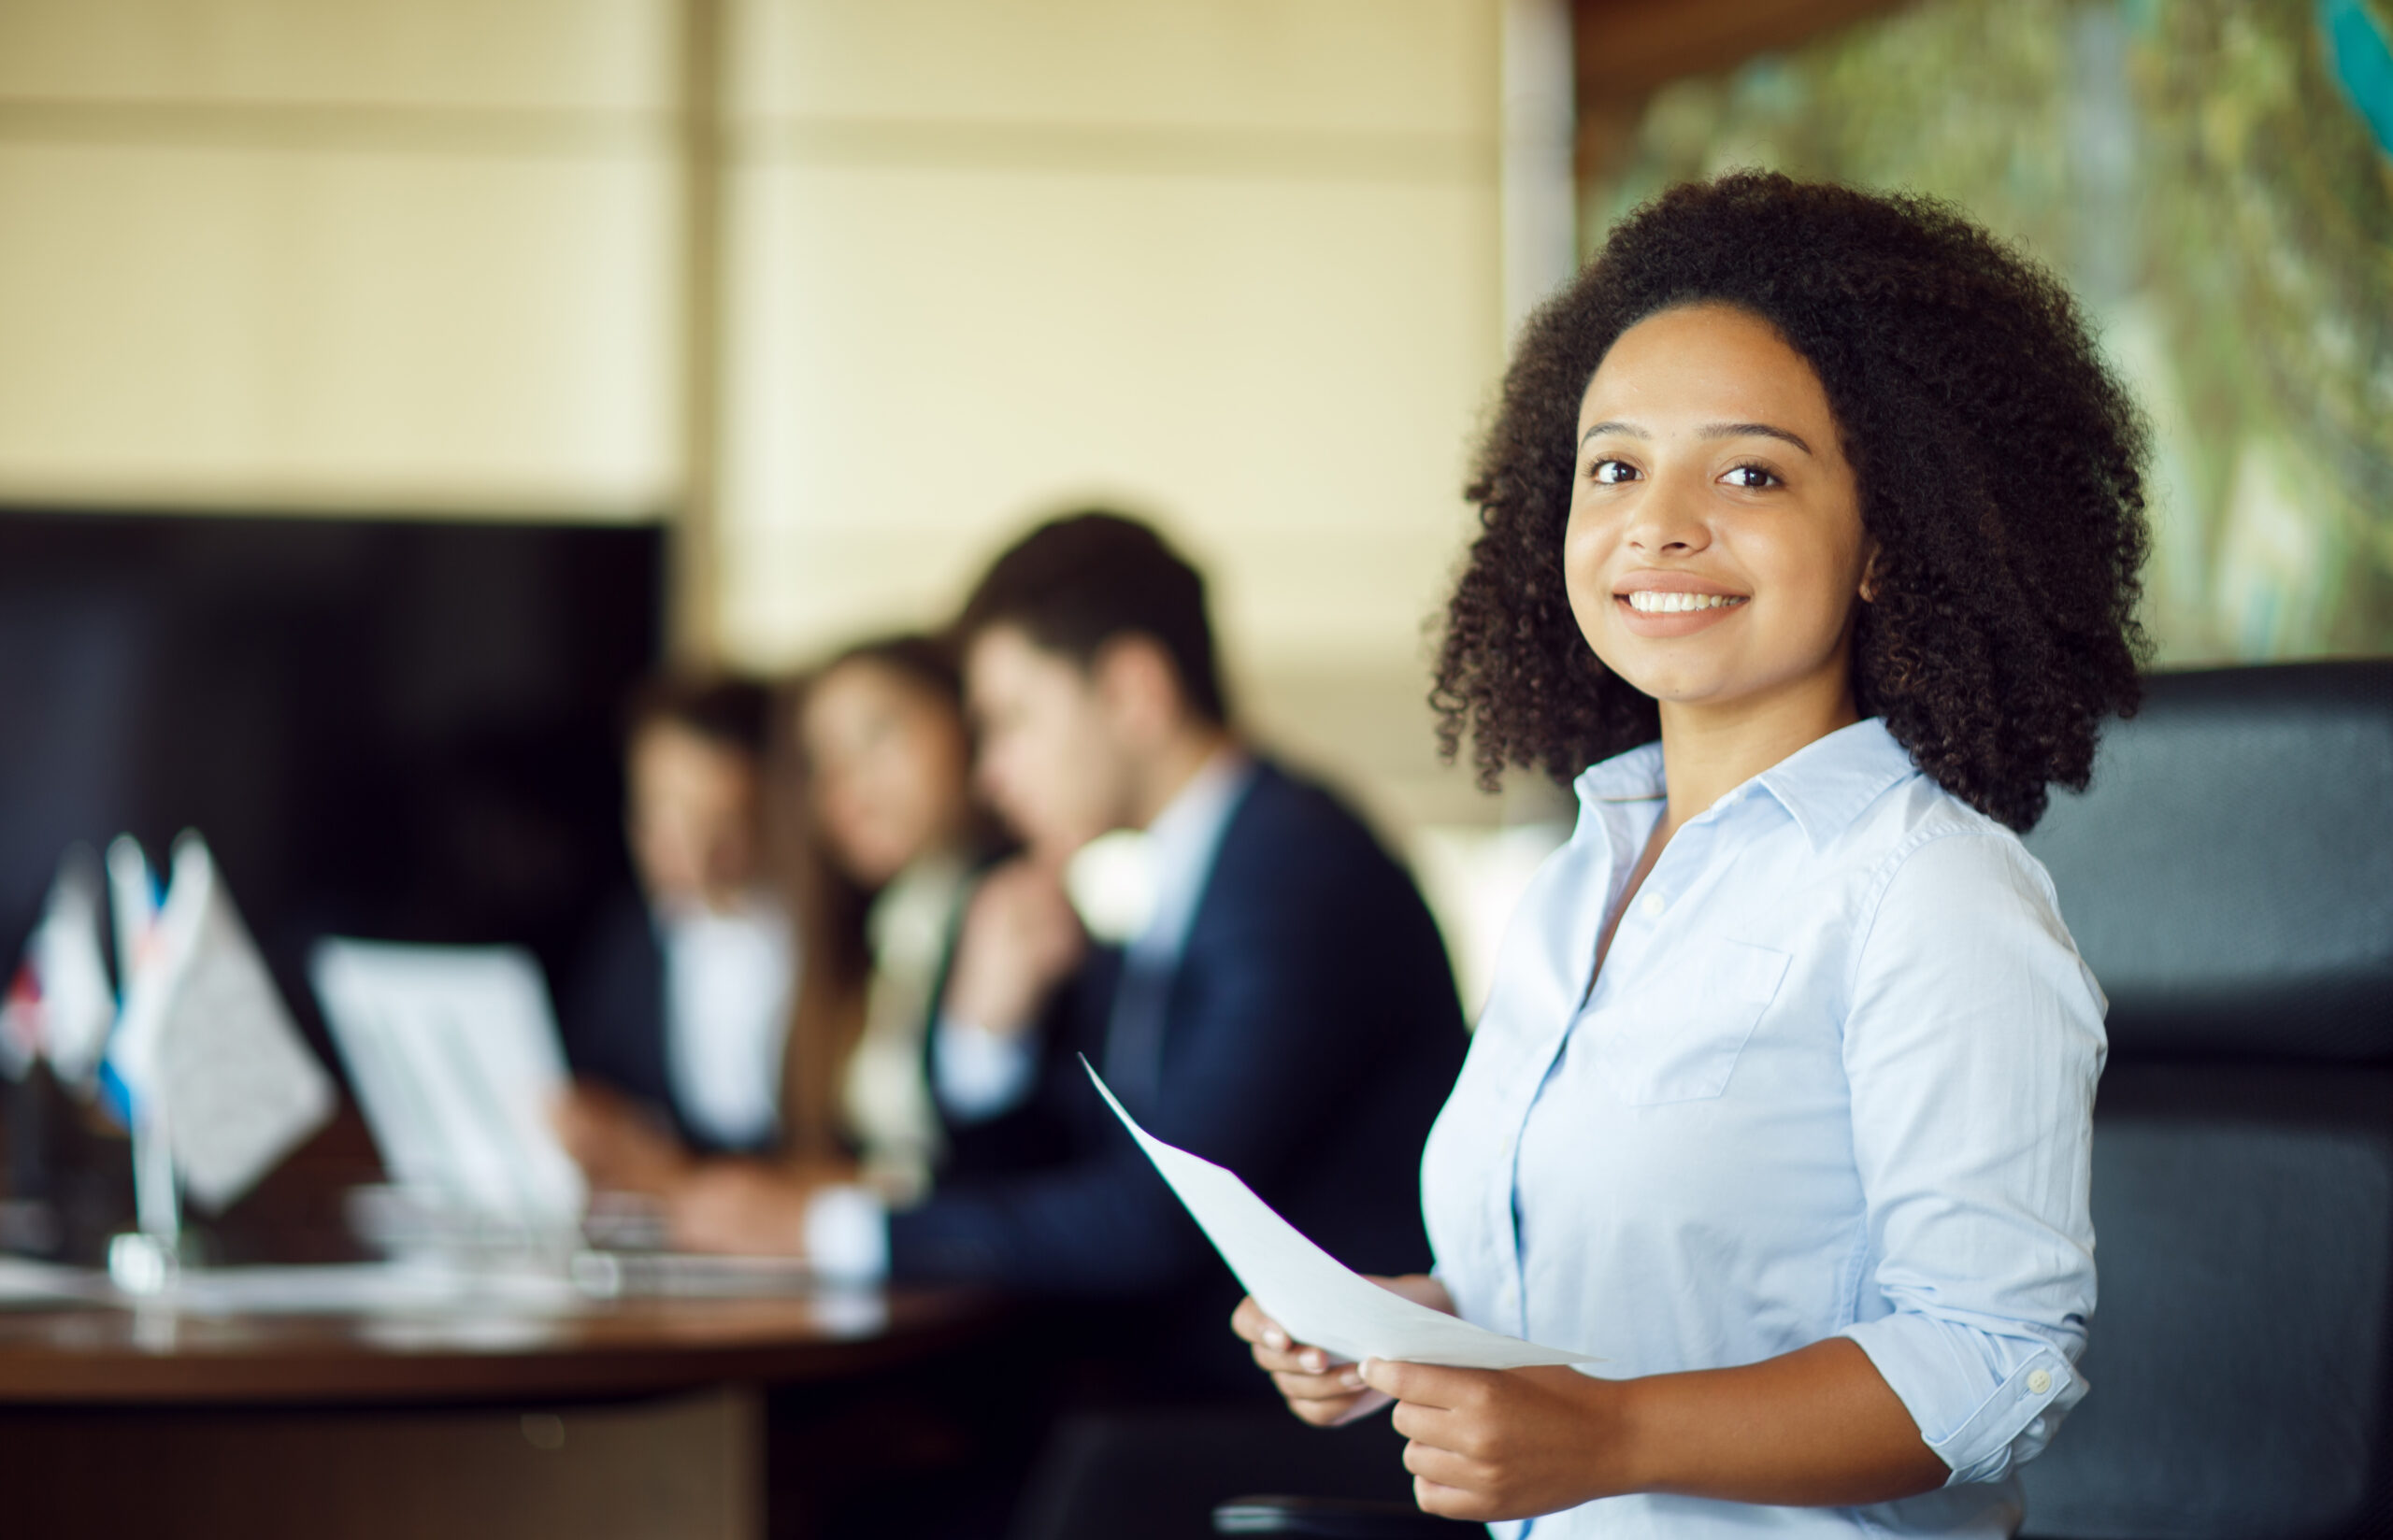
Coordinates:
x,y
1679,680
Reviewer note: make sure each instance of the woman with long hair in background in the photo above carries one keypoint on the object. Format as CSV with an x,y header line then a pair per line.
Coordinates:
x,y
873,831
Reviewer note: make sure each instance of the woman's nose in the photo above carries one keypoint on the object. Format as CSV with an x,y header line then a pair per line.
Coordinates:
x,y
1668,518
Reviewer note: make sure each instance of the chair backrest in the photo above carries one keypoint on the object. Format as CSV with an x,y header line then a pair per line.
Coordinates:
x,y
2230,878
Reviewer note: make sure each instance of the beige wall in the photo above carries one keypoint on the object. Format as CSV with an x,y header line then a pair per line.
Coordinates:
x,y
1237,263
413,255
1234,262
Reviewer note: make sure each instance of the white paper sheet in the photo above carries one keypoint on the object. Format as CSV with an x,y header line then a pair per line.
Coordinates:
x,y
453,1053
1320,1300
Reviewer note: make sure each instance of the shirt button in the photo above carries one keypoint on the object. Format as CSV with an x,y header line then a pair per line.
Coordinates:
x,y
2038,1382
1653,903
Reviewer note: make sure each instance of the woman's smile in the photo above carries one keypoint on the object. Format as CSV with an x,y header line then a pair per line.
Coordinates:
x,y
1663,605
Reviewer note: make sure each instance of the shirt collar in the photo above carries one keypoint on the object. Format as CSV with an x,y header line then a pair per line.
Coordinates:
x,y
1633,776
1183,839
1824,785
1184,835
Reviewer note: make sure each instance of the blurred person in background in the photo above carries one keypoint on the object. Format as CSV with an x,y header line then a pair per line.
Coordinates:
x,y
1282,951
886,759
674,1024
885,846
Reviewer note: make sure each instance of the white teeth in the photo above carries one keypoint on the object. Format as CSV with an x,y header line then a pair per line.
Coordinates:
x,y
1654,601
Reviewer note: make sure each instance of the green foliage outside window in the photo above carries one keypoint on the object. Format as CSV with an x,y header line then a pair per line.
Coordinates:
x,y
2214,178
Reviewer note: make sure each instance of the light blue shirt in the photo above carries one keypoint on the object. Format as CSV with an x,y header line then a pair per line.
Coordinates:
x,y
1836,1078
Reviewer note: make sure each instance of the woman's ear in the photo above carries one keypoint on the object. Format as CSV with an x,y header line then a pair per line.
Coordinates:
x,y
1869,575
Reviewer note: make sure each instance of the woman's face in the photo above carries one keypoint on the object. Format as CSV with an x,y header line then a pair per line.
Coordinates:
x,y
1715,550
889,764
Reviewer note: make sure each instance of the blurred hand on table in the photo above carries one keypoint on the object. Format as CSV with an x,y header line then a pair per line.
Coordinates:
x,y
618,1146
748,1207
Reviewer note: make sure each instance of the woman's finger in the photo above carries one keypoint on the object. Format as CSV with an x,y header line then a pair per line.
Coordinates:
x,y
1431,1425
1425,1383
1326,1413
1302,1387
1445,1467
1283,1364
1301,1359
1249,1321
1450,1501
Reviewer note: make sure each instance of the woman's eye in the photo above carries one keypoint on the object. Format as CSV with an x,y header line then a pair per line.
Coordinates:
x,y
1752,478
1612,471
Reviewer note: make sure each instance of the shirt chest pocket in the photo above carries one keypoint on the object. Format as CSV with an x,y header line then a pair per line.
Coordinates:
x,y
1680,1042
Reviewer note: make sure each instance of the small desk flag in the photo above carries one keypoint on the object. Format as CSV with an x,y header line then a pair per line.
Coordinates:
x,y
207,1043
60,1005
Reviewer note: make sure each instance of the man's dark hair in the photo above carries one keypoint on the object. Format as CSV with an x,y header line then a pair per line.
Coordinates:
x,y
1075,584
722,708
1999,467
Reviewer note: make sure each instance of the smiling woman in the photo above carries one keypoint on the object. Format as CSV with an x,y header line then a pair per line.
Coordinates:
x,y
1945,383
1780,1105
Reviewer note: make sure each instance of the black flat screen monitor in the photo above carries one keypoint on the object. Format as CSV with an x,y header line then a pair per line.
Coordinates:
x,y
392,728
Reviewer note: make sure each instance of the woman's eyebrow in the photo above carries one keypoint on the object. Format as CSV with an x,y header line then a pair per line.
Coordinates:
x,y
1710,430
1752,429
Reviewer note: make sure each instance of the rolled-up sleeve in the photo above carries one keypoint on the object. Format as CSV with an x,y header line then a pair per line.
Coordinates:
x,y
1972,1047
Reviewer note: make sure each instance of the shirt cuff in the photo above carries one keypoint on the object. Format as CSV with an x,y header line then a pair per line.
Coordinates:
x,y
980,1074
1985,1403
847,1234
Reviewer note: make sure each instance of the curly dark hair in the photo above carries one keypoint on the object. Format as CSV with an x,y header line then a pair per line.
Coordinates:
x,y
1999,467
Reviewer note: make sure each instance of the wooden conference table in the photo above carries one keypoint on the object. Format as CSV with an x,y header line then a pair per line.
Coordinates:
x,y
636,1417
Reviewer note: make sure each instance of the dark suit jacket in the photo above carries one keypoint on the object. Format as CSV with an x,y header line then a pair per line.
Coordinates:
x,y
612,1021
1310,1035
613,1015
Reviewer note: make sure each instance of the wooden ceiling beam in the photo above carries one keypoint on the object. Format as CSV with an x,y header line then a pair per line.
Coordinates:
x,y
1632,46
1627,50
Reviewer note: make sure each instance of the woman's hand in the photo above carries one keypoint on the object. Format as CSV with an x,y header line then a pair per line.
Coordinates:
x,y
746,1208
1490,1444
1814,1428
1321,1392
615,1144
1019,939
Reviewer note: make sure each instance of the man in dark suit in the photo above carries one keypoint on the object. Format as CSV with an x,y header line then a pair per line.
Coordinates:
x,y
1282,1004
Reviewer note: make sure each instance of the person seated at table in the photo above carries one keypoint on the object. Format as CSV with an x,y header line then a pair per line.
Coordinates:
x,y
676,1017
1284,951
892,841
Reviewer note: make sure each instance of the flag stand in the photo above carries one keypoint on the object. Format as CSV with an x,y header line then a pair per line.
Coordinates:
x,y
146,1261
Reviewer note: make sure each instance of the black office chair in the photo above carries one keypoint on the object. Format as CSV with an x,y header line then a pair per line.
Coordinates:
x,y
1155,1472
2229,877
